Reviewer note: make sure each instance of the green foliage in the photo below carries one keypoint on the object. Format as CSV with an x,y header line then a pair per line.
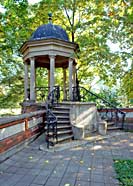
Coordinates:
x,y
111,96
127,85
124,169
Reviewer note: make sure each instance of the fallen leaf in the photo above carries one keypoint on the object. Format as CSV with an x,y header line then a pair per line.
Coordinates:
x,y
67,184
81,162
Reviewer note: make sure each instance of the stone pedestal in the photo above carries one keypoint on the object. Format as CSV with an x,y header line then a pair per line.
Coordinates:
x,y
102,127
83,117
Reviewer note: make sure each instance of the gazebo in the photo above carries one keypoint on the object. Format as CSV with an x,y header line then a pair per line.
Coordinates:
x,y
49,47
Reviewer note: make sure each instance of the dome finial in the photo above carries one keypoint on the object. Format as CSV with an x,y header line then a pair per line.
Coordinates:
x,y
50,17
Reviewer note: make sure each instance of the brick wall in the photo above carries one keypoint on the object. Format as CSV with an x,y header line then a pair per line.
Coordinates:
x,y
17,129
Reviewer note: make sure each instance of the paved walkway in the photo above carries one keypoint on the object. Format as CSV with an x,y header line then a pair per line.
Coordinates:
x,y
87,165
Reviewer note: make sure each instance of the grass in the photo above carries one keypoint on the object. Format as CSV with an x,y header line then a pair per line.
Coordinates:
x,y
124,170
128,130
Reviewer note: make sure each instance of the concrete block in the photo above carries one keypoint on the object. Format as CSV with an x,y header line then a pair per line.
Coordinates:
x,y
102,127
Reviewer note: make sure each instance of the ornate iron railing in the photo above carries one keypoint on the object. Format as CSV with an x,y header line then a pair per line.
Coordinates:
x,y
51,120
106,109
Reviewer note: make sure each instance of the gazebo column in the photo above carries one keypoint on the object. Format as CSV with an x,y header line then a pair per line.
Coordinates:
x,y
48,80
26,86
70,79
32,79
64,84
74,75
52,69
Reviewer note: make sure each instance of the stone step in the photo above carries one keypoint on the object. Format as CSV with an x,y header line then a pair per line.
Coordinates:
x,y
61,123
64,138
64,127
60,112
110,123
59,133
61,108
63,118
114,128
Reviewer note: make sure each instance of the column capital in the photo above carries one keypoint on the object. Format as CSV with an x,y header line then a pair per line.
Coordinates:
x,y
71,60
32,58
52,56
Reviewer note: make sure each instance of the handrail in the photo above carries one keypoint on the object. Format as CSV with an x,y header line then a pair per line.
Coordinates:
x,y
52,98
78,98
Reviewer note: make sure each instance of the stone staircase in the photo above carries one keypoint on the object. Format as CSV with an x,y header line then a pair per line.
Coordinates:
x,y
64,128
111,126
106,126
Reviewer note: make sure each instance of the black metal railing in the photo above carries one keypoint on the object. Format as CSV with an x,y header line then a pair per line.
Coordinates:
x,y
51,120
106,109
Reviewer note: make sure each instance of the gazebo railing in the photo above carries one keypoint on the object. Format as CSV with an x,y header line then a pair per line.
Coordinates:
x,y
51,120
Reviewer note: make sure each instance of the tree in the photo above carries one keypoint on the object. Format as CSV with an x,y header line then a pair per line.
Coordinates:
x,y
89,23
127,85
13,31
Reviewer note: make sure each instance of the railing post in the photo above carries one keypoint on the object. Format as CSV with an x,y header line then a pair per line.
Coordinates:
x,y
26,124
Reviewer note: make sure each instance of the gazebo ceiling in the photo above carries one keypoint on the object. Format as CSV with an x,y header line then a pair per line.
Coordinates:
x,y
43,61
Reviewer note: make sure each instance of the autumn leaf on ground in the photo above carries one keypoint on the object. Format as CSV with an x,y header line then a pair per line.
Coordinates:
x,y
81,162
30,157
46,161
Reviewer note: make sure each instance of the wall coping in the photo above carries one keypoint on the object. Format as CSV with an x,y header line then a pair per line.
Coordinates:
x,y
122,109
9,119
77,103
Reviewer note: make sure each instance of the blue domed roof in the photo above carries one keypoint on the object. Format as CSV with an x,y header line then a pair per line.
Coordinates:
x,y
49,31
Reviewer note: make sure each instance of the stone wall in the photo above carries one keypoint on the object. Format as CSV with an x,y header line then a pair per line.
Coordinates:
x,y
16,131
83,117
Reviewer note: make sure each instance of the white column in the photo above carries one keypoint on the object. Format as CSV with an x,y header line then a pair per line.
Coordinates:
x,y
26,81
64,84
52,69
32,79
74,75
48,80
70,78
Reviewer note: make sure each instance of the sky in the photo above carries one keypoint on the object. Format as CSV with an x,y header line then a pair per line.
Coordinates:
x,y
33,1
30,2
